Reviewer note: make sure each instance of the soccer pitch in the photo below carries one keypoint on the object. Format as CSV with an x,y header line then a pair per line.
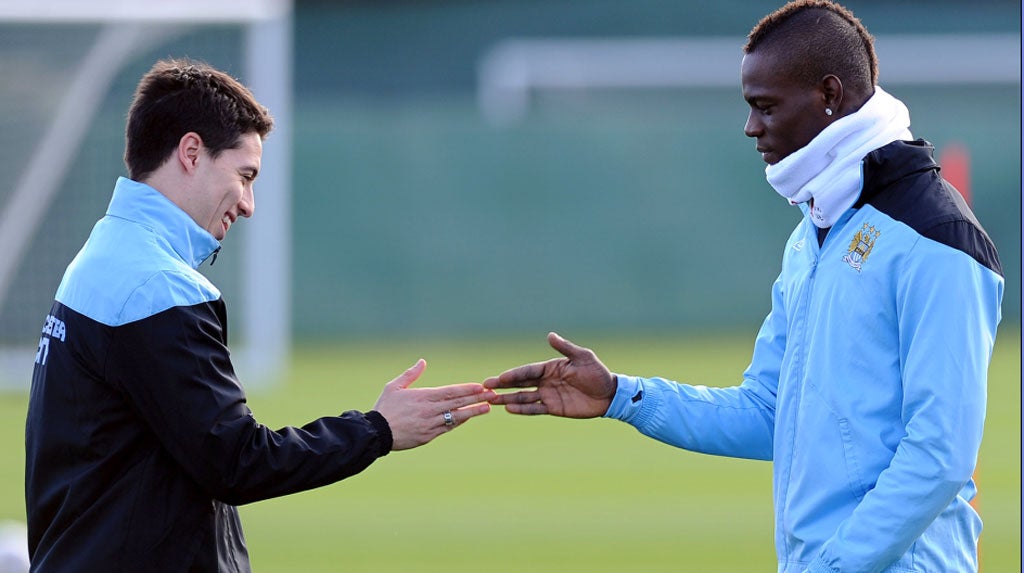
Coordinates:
x,y
508,493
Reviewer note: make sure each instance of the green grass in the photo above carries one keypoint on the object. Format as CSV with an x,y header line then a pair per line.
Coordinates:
x,y
507,493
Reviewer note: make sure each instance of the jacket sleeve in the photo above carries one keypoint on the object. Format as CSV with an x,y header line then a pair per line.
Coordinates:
x,y
738,421
948,308
175,369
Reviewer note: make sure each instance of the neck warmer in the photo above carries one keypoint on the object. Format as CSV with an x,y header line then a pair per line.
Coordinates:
x,y
828,169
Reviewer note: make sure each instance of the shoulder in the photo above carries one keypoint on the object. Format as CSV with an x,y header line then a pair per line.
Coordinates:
x,y
902,181
126,273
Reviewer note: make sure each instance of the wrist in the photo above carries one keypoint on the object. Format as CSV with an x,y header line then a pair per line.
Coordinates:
x,y
385,438
627,399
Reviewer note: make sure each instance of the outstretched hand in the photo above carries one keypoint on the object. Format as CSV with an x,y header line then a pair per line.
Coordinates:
x,y
576,386
418,415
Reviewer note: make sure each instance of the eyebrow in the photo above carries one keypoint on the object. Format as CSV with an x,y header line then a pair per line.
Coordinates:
x,y
756,99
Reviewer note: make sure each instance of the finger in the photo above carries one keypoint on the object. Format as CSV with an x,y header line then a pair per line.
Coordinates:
x,y
531,409
564,346
462,415
456,391
519,377
405,379
516,397
475,398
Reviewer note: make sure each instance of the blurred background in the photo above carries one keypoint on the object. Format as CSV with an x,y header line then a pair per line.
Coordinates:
x,y
456,170
464,168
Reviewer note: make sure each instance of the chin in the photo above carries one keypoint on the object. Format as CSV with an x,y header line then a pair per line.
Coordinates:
x,y
773,157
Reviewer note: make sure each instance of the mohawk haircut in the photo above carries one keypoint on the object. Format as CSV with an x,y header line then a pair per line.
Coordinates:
x,y
815,38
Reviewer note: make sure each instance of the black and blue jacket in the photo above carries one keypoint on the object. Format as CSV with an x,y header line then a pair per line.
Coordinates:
x,y
138,441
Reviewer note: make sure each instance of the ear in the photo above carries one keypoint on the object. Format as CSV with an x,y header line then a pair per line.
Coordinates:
x,y
832,94
189,147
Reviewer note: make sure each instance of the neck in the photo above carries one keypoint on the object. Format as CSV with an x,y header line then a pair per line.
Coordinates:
x,y
827,169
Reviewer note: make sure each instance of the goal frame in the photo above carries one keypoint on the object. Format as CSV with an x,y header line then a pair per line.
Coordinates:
x,y
127,28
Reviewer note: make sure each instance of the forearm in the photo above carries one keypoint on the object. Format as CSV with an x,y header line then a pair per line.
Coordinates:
x,y
270,463
733,422
907,499
176,372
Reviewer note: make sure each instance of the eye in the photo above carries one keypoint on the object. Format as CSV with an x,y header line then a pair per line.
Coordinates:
x,y
761,107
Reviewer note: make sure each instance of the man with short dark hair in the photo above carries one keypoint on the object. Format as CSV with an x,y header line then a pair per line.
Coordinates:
x,y
868,380
139,442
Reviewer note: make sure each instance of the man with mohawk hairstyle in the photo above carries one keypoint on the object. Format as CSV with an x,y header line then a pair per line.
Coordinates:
x,y
867,385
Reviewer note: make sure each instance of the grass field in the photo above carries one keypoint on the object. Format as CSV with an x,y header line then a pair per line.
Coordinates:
x,y
506,493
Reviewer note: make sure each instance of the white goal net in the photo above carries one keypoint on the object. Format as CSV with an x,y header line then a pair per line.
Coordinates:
x,y
69,69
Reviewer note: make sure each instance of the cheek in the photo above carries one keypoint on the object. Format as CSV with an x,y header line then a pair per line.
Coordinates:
x,y
799,131
808,133
232,197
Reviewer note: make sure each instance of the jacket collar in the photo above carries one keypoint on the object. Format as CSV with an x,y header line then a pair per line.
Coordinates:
x,y
144,205
889,163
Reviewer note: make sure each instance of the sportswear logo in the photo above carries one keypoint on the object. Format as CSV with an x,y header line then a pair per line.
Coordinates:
x,y
860,246
53,328
639,395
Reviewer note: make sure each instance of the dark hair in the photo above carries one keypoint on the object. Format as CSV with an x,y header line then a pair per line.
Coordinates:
x,y
815,38
177,96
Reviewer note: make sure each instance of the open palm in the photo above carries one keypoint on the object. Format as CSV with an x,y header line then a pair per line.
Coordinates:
x,y
575,386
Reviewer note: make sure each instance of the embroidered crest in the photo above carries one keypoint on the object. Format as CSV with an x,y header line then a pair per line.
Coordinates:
x,y
860,246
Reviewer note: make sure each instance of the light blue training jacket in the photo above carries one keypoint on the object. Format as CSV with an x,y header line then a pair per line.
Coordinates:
x,y
867,386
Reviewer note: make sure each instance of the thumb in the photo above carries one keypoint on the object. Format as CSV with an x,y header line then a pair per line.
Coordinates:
x,y
564,346
405,379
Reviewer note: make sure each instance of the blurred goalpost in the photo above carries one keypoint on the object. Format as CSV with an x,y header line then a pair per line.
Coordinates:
x,y
72,92
515,69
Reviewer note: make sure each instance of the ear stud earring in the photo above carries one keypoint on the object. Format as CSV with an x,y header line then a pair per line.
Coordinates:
x,y
828,111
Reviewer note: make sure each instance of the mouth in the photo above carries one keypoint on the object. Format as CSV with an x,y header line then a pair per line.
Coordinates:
x,y
226,221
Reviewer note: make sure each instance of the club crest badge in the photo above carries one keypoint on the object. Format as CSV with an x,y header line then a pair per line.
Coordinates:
x,y
860,246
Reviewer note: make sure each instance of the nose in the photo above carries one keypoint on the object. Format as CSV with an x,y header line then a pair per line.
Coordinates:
x,y
753,127
247,205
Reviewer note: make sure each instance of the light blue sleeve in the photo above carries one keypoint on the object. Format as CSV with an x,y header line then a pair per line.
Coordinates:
x,y
737,421
948,308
